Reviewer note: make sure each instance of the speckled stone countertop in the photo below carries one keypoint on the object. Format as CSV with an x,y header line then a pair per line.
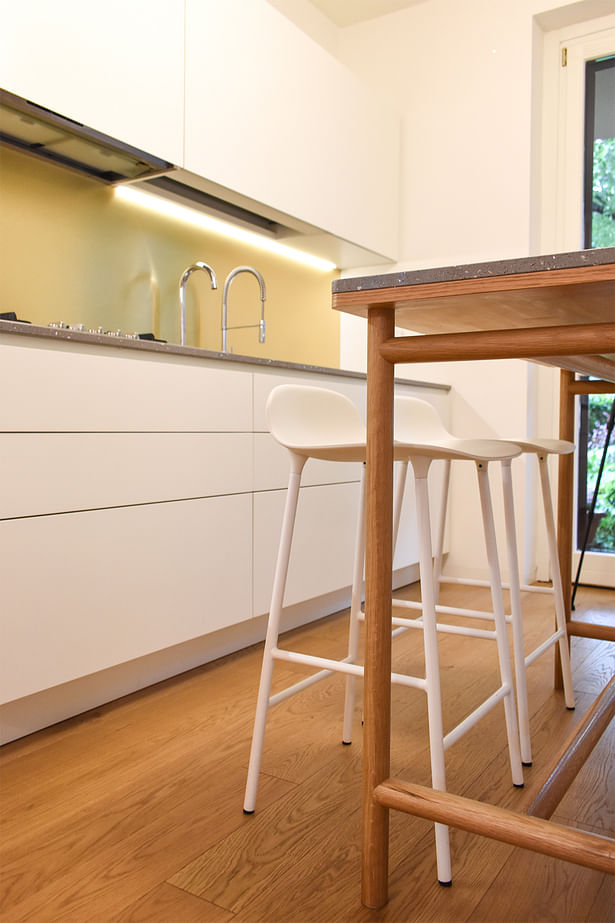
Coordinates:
x,y
171,349
477,270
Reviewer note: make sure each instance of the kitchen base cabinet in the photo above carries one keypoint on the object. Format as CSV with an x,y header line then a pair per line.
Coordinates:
x,y
84,591
141,498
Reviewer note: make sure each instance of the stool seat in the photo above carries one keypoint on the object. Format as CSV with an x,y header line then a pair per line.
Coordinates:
x,y
316,423
538,446
485,450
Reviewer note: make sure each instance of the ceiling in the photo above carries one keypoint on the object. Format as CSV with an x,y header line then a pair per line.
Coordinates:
x,y
346,13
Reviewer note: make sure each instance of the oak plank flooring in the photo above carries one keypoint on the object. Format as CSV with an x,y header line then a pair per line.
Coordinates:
x,y
166,903
132,812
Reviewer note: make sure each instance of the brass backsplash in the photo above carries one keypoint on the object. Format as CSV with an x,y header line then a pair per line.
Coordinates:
x,y
72,252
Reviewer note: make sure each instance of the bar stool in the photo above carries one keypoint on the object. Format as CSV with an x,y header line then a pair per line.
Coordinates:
x,y
315,422
406,417
311,423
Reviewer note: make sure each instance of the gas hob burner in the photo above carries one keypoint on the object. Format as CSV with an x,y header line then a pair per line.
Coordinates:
x,y
99,331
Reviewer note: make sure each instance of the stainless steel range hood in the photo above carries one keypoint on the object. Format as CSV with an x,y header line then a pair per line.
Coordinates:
x,y
43,133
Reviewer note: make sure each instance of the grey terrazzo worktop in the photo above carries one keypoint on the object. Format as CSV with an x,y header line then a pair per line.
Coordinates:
x,y
477,270
21,329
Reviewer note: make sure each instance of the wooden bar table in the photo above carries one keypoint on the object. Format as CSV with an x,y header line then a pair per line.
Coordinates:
x,y
557,309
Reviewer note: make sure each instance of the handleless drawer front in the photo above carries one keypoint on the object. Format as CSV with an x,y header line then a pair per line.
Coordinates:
x,y
62,472
90,388
84,591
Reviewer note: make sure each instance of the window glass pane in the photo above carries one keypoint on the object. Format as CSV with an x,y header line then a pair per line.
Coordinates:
x,y
596,509
600,153
596,423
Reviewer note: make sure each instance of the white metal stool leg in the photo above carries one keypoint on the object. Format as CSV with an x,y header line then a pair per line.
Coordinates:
x,y
432,663
510,711
355,612
439,547
398,498
556,577
516,614
273,630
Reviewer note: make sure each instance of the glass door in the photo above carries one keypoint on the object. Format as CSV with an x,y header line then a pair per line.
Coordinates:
x,y
596,466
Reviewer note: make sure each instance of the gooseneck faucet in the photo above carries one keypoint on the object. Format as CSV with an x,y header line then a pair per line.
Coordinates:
x,y
182,294
261,325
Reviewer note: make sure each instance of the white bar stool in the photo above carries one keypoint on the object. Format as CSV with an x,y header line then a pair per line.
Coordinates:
x,y
541,448
314,422
406,426
310,423
420,433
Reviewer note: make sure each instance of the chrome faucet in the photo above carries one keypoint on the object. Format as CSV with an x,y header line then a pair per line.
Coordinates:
x,y
182,295
227,285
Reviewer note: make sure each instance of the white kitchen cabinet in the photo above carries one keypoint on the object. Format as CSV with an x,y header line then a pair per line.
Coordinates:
x,y
116,67
141,499
83,591
271,115
125,506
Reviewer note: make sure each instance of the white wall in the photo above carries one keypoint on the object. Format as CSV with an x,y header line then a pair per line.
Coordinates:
x,y
464,76
467,78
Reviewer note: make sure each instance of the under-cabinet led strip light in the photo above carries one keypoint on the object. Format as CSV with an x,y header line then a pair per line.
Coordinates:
x,y
189,215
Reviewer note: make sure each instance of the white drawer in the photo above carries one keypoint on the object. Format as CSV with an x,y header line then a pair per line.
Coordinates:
x,y
60,472
98,388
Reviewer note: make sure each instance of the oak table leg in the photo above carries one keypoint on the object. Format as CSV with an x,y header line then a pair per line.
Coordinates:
x,y
564,499
378,603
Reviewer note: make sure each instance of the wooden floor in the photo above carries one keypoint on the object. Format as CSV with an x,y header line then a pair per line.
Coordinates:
x,y
133,812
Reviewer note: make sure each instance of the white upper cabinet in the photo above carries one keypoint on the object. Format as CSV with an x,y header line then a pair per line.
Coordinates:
x,y
273,116
116,67
232,91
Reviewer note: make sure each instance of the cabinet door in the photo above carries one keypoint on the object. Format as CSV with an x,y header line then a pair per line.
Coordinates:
x,y
272,115
114,66
323,542
85,591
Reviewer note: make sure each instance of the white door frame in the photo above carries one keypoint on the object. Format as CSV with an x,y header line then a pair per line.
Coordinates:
x,y
562,143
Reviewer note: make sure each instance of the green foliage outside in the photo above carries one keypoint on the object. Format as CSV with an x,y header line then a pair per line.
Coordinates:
x,y
599,411
603,235
603,193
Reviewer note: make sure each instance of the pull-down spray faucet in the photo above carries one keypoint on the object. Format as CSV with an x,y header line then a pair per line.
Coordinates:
x,y
182,295
227,285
